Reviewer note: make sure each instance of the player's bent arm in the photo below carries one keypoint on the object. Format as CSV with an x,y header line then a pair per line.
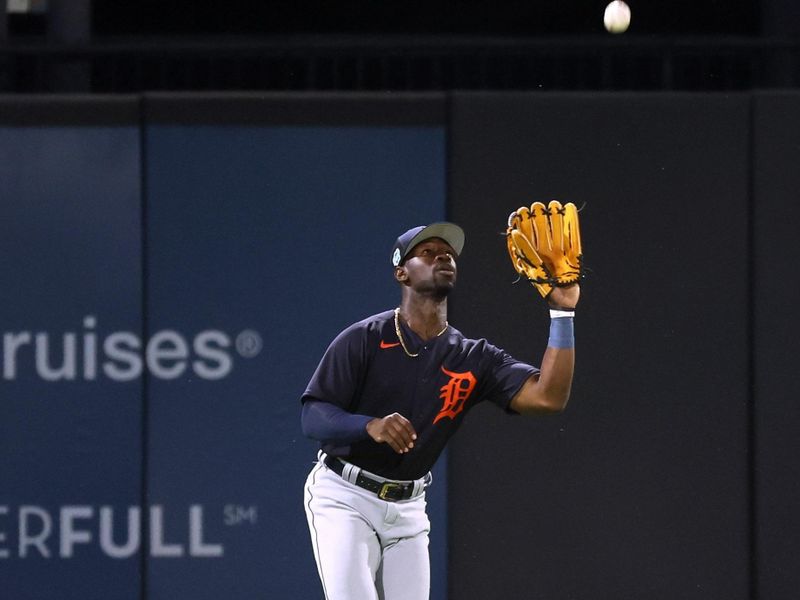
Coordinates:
x,y
327,422
547,393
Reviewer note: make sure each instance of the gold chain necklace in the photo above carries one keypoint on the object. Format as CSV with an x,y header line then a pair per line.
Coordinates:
x,y
400,335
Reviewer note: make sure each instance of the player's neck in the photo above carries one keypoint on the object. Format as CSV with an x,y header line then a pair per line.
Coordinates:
x,y
426,316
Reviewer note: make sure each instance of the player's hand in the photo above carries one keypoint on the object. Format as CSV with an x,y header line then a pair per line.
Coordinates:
x,y
564,297
394,430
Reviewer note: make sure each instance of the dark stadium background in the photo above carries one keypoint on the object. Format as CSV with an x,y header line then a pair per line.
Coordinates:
x,y
510,17
152,154
513,17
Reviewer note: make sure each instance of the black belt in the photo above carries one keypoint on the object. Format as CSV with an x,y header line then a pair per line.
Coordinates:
x,y
391,491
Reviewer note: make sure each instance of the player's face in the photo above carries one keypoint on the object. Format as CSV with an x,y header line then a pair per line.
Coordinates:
x,y
431,267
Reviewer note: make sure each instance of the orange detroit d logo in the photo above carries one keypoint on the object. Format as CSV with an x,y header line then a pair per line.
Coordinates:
x,y
455,393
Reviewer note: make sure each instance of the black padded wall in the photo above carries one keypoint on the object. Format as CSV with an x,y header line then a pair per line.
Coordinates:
x,y
776,334
641,488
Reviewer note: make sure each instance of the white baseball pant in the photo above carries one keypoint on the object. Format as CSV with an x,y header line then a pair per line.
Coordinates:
x,y
366,548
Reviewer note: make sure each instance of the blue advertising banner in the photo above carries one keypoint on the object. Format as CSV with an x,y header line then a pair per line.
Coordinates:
x,y
168,293
70,386
262,243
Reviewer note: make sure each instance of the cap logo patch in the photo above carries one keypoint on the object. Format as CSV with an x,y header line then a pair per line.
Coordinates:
x,y
396,257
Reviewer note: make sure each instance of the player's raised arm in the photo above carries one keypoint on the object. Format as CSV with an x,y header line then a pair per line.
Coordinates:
x,y
544,245
548,393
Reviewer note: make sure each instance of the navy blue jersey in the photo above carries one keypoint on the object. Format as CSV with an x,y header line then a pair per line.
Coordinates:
x,y
365,371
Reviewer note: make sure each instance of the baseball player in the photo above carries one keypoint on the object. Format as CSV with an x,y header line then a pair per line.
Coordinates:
x,y
393,388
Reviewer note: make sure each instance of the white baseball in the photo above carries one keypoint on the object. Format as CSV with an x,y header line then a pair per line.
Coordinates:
x,y
617,17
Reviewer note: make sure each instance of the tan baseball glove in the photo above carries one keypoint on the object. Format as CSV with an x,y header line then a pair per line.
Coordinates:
x,y
544,243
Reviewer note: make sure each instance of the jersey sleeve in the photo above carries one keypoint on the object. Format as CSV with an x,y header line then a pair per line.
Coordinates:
x,y
505,377
326,422
341,370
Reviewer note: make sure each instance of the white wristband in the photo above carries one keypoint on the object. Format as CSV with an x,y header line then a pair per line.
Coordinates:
x,y
558,314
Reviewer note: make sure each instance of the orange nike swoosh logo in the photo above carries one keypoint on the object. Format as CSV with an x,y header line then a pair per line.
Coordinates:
x,y
385,345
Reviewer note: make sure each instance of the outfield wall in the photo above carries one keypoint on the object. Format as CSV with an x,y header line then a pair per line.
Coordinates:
x,y
175,265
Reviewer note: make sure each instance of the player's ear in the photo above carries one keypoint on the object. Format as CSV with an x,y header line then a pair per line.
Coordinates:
x,y
400,274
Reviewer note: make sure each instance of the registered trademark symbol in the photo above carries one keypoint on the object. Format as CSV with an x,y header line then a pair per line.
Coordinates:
x,y
249,343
